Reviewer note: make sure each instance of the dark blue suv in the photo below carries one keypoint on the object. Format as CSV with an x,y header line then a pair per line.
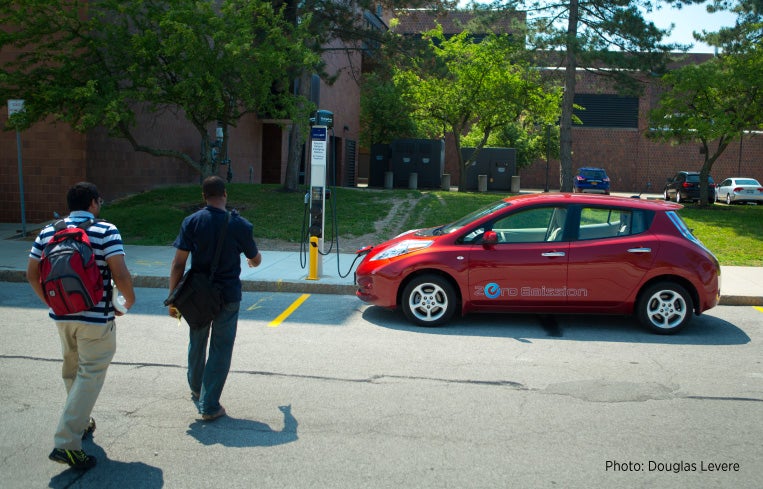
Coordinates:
x,y
591,179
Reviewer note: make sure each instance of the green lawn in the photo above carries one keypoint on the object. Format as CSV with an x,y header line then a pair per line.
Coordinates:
x,y
153,218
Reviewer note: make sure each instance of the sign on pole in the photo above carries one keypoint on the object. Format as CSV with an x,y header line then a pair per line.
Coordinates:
x,y
15,106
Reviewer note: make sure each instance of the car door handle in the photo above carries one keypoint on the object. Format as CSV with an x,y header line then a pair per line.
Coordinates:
x,y
553,253
640,250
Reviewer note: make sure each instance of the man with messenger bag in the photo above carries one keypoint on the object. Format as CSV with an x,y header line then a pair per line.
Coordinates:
x,y
215,239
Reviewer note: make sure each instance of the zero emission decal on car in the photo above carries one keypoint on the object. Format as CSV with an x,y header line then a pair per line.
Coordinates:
x,y
494,291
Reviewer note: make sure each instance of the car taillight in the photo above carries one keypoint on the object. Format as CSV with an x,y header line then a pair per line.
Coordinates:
x,y
738,189
760,189
687,185
579,178
606,179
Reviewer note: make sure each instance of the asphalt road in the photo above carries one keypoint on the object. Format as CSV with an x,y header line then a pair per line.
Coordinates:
x,y
331,393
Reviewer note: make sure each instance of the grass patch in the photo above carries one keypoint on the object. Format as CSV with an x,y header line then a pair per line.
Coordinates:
x,y
154,217
733,232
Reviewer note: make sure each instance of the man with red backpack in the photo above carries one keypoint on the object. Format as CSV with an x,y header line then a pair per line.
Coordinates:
x,y
88,337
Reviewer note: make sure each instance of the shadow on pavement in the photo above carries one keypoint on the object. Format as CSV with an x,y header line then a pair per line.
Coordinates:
x,y
109,473
703,330
241,433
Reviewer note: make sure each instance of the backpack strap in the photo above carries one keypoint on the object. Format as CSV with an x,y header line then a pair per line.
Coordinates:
x,y
59,225
219,249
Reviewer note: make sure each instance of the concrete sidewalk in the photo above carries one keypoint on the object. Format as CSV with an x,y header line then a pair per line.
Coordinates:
x,y
282,271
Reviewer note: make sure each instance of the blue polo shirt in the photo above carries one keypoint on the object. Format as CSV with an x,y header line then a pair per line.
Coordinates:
x,y
199,234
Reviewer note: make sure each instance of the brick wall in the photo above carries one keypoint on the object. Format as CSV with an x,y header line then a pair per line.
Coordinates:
x,y
52,160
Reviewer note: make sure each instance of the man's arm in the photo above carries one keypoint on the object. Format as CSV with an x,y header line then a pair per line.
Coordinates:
x,y
254,262
122,278
33,277
176,273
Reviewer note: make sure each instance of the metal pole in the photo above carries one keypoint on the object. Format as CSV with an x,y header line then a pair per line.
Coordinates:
x,y
548,153
739,164
21,183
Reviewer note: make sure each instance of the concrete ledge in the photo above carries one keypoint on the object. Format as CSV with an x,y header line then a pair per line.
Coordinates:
x,y
740,300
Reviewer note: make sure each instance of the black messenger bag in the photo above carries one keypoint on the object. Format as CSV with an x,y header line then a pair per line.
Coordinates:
x,y
196,296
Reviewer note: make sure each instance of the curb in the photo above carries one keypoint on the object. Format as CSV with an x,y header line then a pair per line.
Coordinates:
x,y
304,287
308,287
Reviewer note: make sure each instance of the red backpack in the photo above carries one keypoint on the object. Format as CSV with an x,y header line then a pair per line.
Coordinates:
x,y
69,274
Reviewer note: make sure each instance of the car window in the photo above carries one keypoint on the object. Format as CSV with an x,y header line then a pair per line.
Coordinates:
x,y
747,181
726,183
602,222
532,226
593,174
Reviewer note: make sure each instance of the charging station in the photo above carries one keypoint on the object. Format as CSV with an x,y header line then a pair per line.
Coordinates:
x,y
323,121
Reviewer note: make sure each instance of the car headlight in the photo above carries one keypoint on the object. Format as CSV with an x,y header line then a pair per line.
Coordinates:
x,y
403,247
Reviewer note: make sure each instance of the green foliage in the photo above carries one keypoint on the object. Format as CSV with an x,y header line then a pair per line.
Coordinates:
x,y
101,63
383,116
461,87
746,33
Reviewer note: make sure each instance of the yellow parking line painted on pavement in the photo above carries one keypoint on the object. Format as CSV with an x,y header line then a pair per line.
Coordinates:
x,y
293,307
759,308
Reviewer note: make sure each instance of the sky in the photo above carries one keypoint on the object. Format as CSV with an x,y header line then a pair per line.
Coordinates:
x,y
690,18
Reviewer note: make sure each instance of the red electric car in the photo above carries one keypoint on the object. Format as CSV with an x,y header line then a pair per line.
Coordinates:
x,y
548,253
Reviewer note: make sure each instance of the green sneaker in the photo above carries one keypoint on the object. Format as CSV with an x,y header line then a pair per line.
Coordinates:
x,y
90,428
76,459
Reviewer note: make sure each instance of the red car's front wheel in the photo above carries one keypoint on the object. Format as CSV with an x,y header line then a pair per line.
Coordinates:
x,y
428,300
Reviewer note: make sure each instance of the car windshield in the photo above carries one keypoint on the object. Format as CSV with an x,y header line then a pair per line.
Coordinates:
x,y
471,217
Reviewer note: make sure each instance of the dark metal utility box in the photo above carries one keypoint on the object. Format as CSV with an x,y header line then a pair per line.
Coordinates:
x,y
499,164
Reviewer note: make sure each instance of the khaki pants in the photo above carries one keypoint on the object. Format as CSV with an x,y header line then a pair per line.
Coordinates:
x,y
87,351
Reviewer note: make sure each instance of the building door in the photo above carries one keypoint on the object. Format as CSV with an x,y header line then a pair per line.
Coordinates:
x,y
271,153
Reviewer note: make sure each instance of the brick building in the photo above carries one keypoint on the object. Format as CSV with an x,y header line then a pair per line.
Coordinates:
x,y
54,156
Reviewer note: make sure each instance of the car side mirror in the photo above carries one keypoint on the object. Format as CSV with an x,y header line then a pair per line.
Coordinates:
x,y
489,238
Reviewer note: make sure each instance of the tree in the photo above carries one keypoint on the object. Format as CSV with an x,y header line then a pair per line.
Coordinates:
x,y
746,33
462,86
382,118
712,103
610,38
100,63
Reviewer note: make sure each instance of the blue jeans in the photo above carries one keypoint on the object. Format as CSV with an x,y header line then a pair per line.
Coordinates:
x,y
207,375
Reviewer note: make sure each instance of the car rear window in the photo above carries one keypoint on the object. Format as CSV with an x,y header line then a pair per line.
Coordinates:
x,y
747,181
695,179
596,174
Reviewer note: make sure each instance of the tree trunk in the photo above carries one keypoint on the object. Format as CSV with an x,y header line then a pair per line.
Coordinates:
x,y
568,99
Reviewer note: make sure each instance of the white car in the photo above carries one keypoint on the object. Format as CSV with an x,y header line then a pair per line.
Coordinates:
x,y
734,190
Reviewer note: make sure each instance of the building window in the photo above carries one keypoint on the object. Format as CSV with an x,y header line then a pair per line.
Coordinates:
x,y
603,110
